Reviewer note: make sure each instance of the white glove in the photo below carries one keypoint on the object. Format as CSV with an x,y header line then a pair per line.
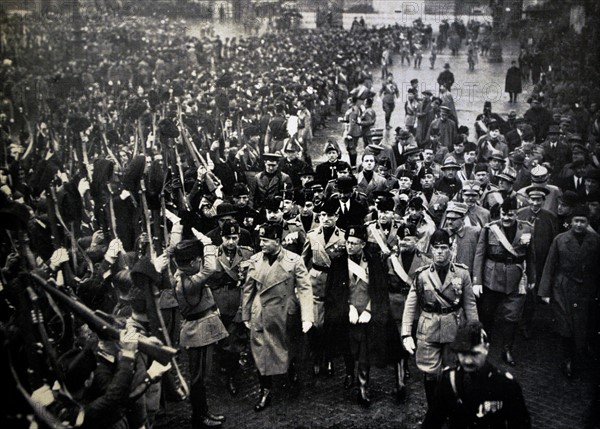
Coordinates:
x,y
530,286
306,326
247,324
365,317
115,247
156,371
477,290
58,257
43,396
353,315
546,300
409,345
160,263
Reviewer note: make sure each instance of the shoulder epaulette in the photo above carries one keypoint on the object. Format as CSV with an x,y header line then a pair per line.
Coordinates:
x,y
248,248
423,268
463,266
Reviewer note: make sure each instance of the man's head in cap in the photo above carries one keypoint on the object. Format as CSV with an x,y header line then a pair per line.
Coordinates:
x,y
444,113
506,179
230,233
539,175
470,192
427,178
329,213
553,133
343,169
471,346
580,219
291,149
450,167
415,209
407,238
537,196
331,150
470,152
592,180
455,216
241,195
593,204
508,211
345,187
356,238
225,211
440,246
385,208
188,254
482,174
405,179
566,202
271,162
273,209
384,166
497,160
270,235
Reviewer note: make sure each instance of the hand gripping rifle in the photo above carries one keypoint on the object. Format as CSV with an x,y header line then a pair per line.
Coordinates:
x,y
157,321
102,327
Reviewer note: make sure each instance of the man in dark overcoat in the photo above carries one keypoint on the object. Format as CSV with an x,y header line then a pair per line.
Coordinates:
x,y
356,310
512,83
570,283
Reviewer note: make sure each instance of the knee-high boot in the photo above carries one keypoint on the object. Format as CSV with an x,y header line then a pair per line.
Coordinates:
x,y
431,383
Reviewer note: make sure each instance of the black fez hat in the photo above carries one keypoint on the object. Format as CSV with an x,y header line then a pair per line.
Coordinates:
x,y
580,210
331,206
416,203
14,216
407,230
230,227
404,173
385,204
273,204
240,189
439,237
470,334
188,249
509,204
358,231
271,157
271,230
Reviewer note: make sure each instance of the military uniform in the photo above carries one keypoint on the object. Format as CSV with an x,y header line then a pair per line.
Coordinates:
x,y
443,306
317,255
501,274
201,326
388,234
466,400
225,284
264,185
436,205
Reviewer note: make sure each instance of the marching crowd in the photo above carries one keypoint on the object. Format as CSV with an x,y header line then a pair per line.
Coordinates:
x,y
158,195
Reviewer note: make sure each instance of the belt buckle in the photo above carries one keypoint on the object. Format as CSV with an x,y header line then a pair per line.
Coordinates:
x,y
510,260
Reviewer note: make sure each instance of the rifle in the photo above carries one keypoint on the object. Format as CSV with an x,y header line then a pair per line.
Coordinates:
x,y
105,330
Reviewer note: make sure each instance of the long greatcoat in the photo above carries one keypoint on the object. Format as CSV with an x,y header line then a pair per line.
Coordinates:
x,y
571,278
270,300
513,80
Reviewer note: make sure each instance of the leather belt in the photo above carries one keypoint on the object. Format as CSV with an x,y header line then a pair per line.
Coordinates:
x,y
444,310
506,259
197,316
320,268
